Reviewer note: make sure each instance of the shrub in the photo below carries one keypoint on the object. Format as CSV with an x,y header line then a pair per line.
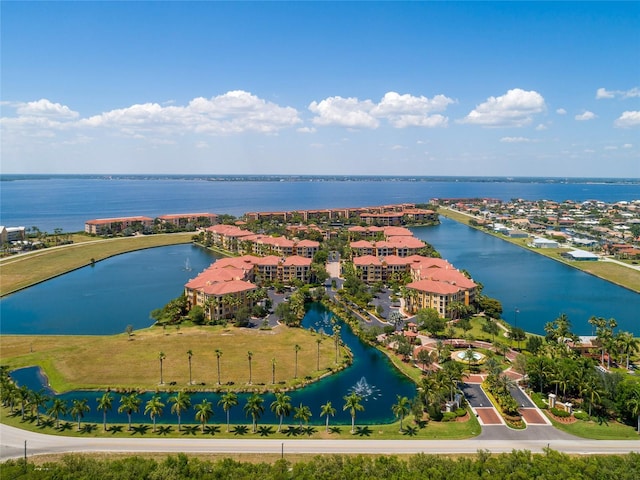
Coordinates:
x,y
560,413
449,416
581,416
460,412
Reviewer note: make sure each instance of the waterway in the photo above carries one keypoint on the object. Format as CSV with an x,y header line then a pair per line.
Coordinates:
x,y
533,289
371,375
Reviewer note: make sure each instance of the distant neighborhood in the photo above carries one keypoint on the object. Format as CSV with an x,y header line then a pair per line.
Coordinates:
x,y
590,227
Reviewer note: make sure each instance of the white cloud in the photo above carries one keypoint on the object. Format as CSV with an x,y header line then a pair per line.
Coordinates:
x,y
45,108
603,93
561,111
306,130
400,111
515,140
516,108
610,147
628,119
586,115
627,145
231,113
345,112
541,126
398,147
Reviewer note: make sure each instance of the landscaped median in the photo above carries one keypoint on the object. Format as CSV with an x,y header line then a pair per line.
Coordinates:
x,y
24,270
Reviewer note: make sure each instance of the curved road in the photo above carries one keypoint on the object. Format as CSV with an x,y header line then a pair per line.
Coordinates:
x,y
12,442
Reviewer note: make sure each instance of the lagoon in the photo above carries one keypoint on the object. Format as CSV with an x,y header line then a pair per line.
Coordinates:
x,y
371,374
533,289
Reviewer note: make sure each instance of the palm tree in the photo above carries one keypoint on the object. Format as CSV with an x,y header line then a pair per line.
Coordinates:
x,y
154,408
297,348
633,404
228,400
469,357
273,371
105,403
281,406
78,408
37,400
218,355
130,404
204,411
181,402
327,410
628,344
352,403
318,342
189,355
336,338
254,408
58,407
302,413
249,357
22,395
592,389
401,408
161,357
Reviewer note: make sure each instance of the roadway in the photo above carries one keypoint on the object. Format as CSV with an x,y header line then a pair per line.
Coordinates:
x,y
12,444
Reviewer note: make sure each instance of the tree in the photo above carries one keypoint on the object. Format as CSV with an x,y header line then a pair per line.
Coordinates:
x,y
254,408
273,371
22,395
181,402
336,338
401,408
469,357
352,403
297,348
249,357
78,408
58,407
189,355
218,355
592,390
130,404
429,319
424,357
326,411
37,400
318,342
628,344
204,412
281,406
129,331
105,404
161,357
604,334
154,408
633,404
302,413
228,401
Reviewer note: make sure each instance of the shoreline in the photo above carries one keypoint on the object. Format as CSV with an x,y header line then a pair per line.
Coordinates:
x,y
453,214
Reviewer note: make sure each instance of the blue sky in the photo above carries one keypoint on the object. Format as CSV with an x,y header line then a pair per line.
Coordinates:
x,y
388,88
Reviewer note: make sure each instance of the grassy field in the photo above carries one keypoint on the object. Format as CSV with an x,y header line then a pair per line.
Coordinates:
x,y
117,361
191,429
612,272
22,271
598,430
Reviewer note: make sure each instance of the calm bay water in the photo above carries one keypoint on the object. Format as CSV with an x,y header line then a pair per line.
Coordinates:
x,y
539,288
66,203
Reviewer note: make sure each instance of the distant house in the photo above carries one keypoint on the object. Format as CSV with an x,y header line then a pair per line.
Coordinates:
x,y
182,219
544,243
517,234
11,234
580,255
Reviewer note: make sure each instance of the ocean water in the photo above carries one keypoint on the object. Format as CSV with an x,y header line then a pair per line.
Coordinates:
x,y
68,202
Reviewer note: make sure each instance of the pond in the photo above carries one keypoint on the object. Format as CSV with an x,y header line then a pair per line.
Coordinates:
x,y
371,375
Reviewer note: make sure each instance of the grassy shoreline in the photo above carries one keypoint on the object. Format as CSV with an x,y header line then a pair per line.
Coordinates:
x,y
23,271
625,277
